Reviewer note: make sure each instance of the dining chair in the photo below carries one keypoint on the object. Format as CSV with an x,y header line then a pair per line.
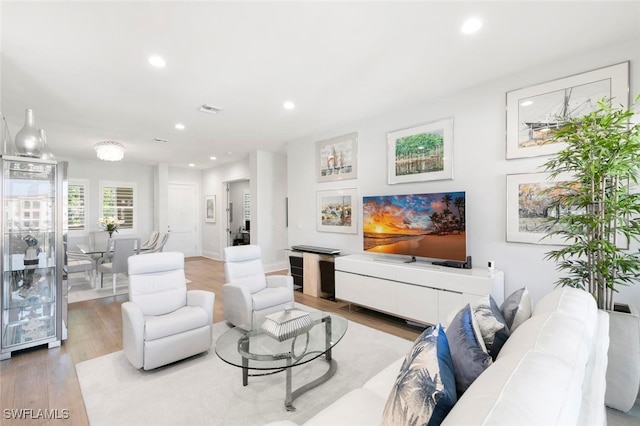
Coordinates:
x,y
159,245
98,241
153,239
122,249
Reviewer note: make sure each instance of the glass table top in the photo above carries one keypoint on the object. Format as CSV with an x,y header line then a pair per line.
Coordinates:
x,y
257,350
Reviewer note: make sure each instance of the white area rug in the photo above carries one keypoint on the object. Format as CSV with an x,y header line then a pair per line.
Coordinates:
x,y
204,390
80,288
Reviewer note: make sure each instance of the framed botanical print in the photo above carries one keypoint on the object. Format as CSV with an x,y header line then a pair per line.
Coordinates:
x,y
421,153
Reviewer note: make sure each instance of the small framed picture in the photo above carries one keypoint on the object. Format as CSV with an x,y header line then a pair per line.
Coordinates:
x,y
535,113
421,153
210,208
337,211
337,158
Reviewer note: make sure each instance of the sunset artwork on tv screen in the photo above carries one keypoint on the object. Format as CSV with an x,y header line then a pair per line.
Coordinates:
x,y
418,225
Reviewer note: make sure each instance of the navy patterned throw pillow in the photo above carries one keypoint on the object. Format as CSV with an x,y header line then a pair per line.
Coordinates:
x,y
424,391
468,352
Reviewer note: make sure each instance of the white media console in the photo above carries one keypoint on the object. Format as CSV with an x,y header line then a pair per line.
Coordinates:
x,y
417,291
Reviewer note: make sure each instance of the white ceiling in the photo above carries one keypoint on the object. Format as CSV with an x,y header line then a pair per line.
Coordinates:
x,y
82,66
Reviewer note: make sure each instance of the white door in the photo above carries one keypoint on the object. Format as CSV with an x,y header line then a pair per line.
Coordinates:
x,y
183,220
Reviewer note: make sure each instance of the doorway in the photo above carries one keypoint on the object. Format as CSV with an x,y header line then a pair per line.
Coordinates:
x,y
238,213
183,220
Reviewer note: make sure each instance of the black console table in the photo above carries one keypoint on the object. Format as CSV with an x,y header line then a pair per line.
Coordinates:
x,y
318,277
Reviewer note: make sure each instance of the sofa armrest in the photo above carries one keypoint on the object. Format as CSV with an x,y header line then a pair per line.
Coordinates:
x,y
133,333
203,299
238,304
280,281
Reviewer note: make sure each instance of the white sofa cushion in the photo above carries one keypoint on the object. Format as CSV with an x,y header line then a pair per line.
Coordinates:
x,y
533,389
360,407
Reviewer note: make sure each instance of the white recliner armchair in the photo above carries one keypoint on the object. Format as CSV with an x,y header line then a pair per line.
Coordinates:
x,y
163,322
249,294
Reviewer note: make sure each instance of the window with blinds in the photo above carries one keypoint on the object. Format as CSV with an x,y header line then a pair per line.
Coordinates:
x,y
118,200
247,206
76,206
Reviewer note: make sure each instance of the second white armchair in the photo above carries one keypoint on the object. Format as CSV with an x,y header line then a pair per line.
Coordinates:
x,y
249,295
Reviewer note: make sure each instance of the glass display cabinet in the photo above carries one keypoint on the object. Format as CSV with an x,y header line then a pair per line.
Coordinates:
x,y
32,254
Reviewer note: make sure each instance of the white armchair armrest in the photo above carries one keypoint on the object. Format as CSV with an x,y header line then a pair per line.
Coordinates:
x,y
280,281
238,304
133,333
202,298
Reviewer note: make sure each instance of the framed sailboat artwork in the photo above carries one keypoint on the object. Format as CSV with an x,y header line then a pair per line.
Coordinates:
x,y
534,113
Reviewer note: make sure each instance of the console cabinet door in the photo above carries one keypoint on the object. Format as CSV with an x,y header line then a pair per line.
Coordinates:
x,y
366,291
450,301
418,303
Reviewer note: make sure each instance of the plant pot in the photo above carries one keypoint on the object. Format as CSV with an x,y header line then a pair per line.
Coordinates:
x,y
623,369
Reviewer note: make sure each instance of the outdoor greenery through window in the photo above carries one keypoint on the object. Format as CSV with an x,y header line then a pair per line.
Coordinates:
x,y
119,201
76,207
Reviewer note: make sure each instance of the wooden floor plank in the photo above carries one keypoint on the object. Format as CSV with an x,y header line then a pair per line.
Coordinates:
x,y
40,378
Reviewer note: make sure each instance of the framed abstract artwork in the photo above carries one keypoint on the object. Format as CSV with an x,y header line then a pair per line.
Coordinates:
x,y
210,208
421,153
534,113
337,211
337,158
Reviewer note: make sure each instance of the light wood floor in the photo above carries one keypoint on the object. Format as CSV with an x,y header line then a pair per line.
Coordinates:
x,y
40,379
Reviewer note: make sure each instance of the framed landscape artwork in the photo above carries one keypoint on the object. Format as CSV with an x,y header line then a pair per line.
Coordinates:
x,y
337,211
535,113
210,208
421,153
337,158
529,212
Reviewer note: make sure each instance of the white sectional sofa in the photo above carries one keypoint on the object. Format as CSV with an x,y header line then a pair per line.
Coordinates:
x,y
551,371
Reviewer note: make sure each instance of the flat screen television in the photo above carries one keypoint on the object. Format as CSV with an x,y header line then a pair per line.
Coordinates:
x,y
417,225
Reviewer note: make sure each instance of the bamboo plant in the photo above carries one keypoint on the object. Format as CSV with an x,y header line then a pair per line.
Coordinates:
x,y
600,209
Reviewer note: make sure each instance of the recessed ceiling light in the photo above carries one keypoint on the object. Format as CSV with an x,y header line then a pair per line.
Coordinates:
x,y
526,103
157,61
212,158
289,105
471,25
191,165
179,126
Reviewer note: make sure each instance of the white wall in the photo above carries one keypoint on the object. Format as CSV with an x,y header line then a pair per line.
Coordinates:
x,y
480,169
95,171
268,194
214,236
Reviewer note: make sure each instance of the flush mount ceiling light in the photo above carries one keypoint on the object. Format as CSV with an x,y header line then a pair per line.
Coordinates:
x,y
471,25
110,150
157,61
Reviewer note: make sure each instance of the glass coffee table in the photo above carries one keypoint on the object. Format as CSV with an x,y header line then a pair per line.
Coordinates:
x,y
256,350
